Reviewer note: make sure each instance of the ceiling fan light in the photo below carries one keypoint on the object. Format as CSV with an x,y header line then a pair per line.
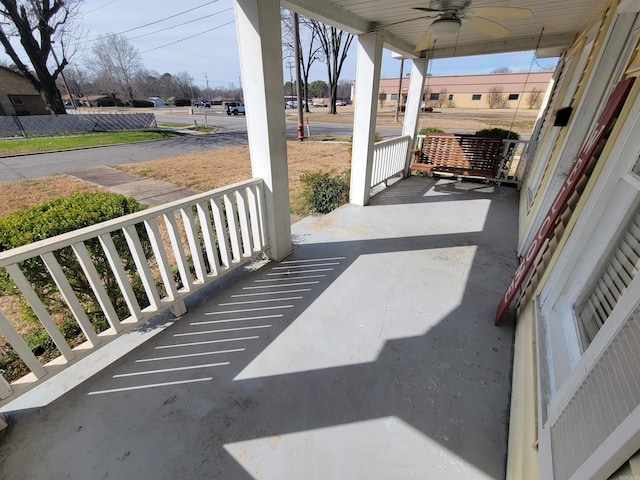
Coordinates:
x,y
445,27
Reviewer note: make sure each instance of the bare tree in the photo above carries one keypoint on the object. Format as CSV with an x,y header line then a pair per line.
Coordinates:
x,y
75,82
443,98
183,86
344,89
37,24
496,98
167,89
534,100
501,70
115,64
309,48
310,51
147,83
335,45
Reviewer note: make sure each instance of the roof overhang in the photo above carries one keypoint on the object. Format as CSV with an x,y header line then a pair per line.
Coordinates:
x,y
554,27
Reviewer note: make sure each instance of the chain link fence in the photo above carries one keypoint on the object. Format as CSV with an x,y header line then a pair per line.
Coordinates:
x,y
45,125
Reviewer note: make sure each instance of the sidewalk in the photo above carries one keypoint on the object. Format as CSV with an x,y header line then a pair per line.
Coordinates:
x,y
144,190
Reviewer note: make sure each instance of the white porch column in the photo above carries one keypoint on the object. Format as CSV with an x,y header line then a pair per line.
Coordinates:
x,y
369,60
260,48
414,101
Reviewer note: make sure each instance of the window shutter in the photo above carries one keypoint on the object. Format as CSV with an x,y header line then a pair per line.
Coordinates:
x,y
620,269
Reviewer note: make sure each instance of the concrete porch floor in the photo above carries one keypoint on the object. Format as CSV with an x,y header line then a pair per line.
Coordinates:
x,y
369,353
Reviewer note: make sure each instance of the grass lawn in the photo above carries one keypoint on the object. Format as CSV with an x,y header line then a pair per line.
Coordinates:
x,y
204,171
48,144
200,171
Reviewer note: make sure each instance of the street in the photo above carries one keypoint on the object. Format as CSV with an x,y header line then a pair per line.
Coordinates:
x,y
232,131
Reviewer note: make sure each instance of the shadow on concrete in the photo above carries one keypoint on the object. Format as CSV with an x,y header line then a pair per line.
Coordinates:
x,y
230,391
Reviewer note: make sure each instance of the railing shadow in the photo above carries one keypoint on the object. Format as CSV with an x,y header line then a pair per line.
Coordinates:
x,y
229,386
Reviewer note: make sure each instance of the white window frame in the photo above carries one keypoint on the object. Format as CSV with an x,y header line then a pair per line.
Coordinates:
x,y
615,194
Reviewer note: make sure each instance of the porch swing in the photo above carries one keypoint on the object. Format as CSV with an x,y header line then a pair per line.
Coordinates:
x,y
468,156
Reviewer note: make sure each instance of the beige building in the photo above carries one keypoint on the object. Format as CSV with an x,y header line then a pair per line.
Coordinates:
x,y
502,90
18,96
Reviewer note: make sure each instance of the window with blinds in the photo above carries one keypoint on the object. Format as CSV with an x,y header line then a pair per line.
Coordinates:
x,y
613,281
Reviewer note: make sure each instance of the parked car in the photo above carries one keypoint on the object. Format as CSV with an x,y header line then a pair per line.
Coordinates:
x,y
320,104
202,104
341,103
292,104
235,108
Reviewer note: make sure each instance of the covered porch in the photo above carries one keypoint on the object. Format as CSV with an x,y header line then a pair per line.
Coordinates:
x,y
369,352
375,357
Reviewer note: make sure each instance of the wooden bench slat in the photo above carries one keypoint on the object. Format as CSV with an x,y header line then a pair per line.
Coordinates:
x,y
466,155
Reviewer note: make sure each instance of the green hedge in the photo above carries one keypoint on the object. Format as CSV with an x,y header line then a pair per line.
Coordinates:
x,y
53,218
325,191
60,216
498,133
427,130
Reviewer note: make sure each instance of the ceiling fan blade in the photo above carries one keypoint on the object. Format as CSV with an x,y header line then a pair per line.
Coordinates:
x,y
425,42
405,21
502,12
488,27
427,9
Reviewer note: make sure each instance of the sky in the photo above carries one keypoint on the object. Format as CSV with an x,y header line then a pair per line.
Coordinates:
x,y
199,37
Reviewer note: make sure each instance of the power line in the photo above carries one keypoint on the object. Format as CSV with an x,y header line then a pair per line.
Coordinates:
x,y
179,24
168,18
101,7
188,38
156,21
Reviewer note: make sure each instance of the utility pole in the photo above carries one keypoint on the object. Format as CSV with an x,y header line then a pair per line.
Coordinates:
x,y
206,79
296,50
399,89
82,92
64,80
290,66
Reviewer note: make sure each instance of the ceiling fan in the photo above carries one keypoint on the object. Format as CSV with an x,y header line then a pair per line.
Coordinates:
x,y
452,14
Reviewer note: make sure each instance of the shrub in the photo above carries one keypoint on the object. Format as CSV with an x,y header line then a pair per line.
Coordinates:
x,y
325,191
63,215
496,98
141,103
53,218
427,130
498,133
182,102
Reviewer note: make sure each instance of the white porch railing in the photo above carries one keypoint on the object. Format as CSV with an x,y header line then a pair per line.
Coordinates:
x,y
512,167
176,249
389,158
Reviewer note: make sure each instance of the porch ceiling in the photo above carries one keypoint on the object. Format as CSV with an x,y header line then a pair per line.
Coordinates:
x,y
559,23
